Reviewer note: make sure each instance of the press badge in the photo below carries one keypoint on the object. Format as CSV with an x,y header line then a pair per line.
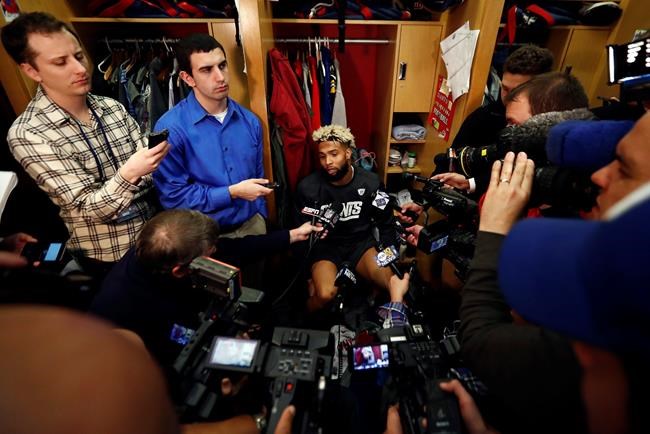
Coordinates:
x,y
128,214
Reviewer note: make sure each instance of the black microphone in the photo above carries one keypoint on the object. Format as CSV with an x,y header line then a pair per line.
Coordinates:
x,y
329,217
345,278
389,253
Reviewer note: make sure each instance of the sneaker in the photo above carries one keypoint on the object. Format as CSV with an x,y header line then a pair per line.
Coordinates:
x,y
600,14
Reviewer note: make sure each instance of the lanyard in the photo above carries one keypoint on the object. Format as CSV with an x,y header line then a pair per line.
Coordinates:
x,y
109,151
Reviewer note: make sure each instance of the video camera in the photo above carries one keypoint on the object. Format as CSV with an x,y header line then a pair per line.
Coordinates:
x,y
296,362
558,186
454,236
416,364
227,312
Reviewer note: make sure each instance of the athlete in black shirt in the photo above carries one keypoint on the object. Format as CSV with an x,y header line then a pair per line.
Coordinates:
x,y
352,190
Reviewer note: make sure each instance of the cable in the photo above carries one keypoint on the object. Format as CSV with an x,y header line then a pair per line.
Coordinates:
x,y
300,270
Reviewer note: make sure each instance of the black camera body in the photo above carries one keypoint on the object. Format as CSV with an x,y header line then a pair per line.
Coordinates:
x,y
296,362
454,236
417,364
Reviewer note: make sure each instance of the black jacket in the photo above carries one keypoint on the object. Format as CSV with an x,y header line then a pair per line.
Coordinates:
x,y
532,374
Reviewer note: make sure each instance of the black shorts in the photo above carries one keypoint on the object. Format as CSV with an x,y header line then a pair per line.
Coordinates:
x,y
339,253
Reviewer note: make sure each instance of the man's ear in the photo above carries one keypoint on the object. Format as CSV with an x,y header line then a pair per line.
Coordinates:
x,y
187,78
31,72
180,271
348,153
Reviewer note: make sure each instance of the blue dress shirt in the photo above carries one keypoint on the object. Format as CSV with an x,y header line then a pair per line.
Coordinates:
x,y
206,157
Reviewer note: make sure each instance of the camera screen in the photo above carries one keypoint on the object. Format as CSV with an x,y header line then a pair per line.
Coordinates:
x,y
370,357
52,252
234,352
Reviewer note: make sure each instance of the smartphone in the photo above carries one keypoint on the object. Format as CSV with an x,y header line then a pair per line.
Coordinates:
x,y
43,252
271,185
157,138
370,357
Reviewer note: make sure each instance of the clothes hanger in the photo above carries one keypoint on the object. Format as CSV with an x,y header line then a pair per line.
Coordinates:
x,y
103,66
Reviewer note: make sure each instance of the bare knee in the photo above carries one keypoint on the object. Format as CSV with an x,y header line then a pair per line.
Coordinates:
x,y
323,294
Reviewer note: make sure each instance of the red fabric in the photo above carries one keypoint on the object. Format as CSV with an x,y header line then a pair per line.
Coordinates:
x,y
542,13
315,94
116,10
290,113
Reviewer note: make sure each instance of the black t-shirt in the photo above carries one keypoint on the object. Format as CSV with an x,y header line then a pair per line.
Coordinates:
x,y
356,201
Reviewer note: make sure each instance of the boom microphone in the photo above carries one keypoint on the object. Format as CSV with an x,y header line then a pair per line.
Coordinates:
x,y
530,137
587,145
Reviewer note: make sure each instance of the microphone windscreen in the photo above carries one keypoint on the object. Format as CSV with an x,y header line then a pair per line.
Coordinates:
x,y
586,145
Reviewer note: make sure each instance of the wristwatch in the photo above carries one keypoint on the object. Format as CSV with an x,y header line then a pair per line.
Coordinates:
x,y
260,421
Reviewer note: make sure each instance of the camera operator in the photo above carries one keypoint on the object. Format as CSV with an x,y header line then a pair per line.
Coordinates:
x,y
543,377
340,184
530,110
149,290
484,124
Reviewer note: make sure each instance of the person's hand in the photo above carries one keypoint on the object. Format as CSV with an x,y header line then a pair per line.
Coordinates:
x,y
143,162
12,260
301,233
468,410
452,179
393,422
398,287
413,207
507,194
286,421
15,242
414,234
249,189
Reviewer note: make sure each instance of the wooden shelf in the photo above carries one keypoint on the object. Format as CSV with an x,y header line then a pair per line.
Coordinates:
x,y
407,142
349,22
151,20
392,170
573,26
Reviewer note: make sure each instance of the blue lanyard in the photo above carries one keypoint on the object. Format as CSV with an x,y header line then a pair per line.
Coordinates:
x,y
109,151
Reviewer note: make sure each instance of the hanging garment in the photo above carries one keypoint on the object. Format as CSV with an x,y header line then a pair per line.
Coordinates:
x,y
315,95
306,86
290,113
325,80
339,116
282,194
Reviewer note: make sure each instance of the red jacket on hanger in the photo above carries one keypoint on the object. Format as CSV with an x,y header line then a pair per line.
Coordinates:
x,y
290,113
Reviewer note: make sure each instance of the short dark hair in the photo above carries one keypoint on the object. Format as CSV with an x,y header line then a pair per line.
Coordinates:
x,y
175,237
529,60
551,92
15,34
194,43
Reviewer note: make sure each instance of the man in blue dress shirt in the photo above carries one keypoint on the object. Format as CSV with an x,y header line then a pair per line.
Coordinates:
x,y
215,162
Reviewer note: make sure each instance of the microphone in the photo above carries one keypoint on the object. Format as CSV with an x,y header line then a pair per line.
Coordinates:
x,y
345,278
386,256
530,137
329,217
587,145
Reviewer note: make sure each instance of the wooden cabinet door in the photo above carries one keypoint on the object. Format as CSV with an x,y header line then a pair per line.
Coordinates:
x,y
584,52
416,67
